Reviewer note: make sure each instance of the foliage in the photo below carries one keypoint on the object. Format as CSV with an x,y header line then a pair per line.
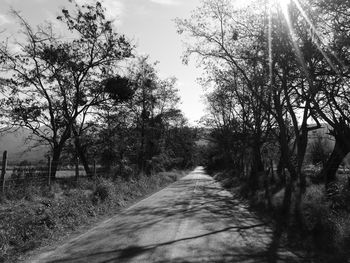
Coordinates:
x,y
314,207
104,191
119,88
54,83
327,221
147,131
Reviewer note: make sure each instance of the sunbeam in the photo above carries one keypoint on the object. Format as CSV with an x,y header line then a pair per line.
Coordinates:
x,y
319,41
284,7
270,44
285,10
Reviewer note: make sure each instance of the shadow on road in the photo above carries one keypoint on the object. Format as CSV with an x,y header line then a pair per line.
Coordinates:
x,y
218,228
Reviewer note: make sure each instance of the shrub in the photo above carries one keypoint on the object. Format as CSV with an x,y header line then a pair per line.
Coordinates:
x,y
122,170
330,228
160,163
105,190
24,228
314,207
87,184
168,177
27,191
31,191
73,210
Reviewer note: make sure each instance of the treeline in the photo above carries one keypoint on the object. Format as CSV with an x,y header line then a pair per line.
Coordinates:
x,y
88,96
275,71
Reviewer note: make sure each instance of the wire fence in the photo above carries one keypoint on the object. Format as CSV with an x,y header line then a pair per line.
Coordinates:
x,y
41,175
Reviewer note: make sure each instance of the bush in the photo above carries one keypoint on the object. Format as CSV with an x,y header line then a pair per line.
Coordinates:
x,y
25,191
24,228
314,207
31,192
342,233
87,184
329,224
168,177
105,190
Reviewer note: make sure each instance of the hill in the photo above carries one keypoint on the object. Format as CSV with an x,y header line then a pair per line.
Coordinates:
x,y
19,150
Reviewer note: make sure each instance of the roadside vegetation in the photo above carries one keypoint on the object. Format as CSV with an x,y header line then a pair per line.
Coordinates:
x,y
276,74
33,216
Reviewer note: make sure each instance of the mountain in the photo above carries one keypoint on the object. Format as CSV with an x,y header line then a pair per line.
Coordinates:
x,y
18,149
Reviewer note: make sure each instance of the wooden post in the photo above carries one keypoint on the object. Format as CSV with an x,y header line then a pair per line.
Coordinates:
x,y
49,170
3,172
76,169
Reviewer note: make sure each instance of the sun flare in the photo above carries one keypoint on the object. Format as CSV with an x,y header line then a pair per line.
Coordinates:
x,y
284,5
284,2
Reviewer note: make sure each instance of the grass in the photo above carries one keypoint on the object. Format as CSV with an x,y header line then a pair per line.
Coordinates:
x,y
324,230
34,215
62,173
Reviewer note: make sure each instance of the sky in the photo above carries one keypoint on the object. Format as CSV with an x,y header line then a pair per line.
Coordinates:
x,y
148,23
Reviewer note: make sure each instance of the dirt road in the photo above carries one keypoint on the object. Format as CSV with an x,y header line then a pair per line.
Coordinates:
x,y
192,220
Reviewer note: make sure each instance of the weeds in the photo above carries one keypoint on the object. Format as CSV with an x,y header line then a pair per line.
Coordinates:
x,y
105,190
325,221
31,215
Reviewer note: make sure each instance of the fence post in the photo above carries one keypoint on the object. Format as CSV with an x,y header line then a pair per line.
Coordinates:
x,y
76,169
3,172
49,169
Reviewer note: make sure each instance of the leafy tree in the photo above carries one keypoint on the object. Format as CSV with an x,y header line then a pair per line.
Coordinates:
x,y
154,107
219,34
54,84
261,56
332,104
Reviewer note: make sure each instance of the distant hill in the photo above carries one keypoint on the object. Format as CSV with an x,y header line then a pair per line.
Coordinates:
x,y
18,150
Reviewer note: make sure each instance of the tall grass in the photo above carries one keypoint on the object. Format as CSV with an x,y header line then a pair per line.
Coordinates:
x,y
43,213
327,220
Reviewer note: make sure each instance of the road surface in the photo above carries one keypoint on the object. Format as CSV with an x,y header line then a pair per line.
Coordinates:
x,y
192,220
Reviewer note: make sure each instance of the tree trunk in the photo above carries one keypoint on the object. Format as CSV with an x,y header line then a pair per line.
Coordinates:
x,y
83,160
340,150
81,154
55,160
287,199
267,182
257,169
301,151
289,179
141,154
